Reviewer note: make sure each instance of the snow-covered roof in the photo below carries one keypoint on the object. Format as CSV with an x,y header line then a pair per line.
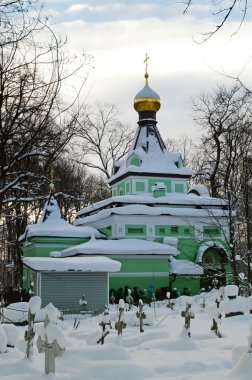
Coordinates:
x,y
118,247
154,211
169,199
184,267
51,224
83,264
58,228
199,189
155,162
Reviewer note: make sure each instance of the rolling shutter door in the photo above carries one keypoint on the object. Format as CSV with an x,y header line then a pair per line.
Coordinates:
x,y
65,289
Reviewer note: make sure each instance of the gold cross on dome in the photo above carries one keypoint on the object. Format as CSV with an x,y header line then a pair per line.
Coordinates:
x,y
146,75
146,62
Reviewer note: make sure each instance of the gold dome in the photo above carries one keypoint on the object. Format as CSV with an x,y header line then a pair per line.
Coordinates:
x,y
147,99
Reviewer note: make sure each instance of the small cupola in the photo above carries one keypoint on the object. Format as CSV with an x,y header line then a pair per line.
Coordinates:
x,y
147,101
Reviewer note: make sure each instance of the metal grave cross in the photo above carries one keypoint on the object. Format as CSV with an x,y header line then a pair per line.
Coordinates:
x,y
120,324
188,315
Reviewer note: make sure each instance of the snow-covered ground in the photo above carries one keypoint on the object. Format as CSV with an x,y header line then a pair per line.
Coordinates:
x,y
163,351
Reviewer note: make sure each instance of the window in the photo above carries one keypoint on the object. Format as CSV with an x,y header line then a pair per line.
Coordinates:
x,y
135,230
189,231
210,231
140,186
179,188
134,160
161,230
174,229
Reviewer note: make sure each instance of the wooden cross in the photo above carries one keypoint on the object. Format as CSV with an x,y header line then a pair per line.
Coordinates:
x,y
141,315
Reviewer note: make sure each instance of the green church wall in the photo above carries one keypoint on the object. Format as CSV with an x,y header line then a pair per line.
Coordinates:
x,y
188,249
42,246
123,187
185,281
143,282
141,272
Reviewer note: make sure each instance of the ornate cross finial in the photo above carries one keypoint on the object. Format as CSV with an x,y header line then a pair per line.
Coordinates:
x,y
146,75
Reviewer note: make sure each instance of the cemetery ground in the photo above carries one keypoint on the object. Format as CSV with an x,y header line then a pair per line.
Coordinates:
x,y
162,351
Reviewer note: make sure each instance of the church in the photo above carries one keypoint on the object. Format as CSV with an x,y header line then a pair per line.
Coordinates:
x,y
154,231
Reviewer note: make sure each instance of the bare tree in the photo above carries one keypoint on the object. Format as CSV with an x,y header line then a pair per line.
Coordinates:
x,y
76,188
102,138
185,145
226,119
34,122
222,11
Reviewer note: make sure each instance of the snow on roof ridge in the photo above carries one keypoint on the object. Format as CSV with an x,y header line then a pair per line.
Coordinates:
x,y
115,247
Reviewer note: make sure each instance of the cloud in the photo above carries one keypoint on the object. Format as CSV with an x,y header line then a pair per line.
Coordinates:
x,y
118,34
179,69
76,8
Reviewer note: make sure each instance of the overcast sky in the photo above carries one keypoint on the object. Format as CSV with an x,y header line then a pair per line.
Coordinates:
x,y
119,33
